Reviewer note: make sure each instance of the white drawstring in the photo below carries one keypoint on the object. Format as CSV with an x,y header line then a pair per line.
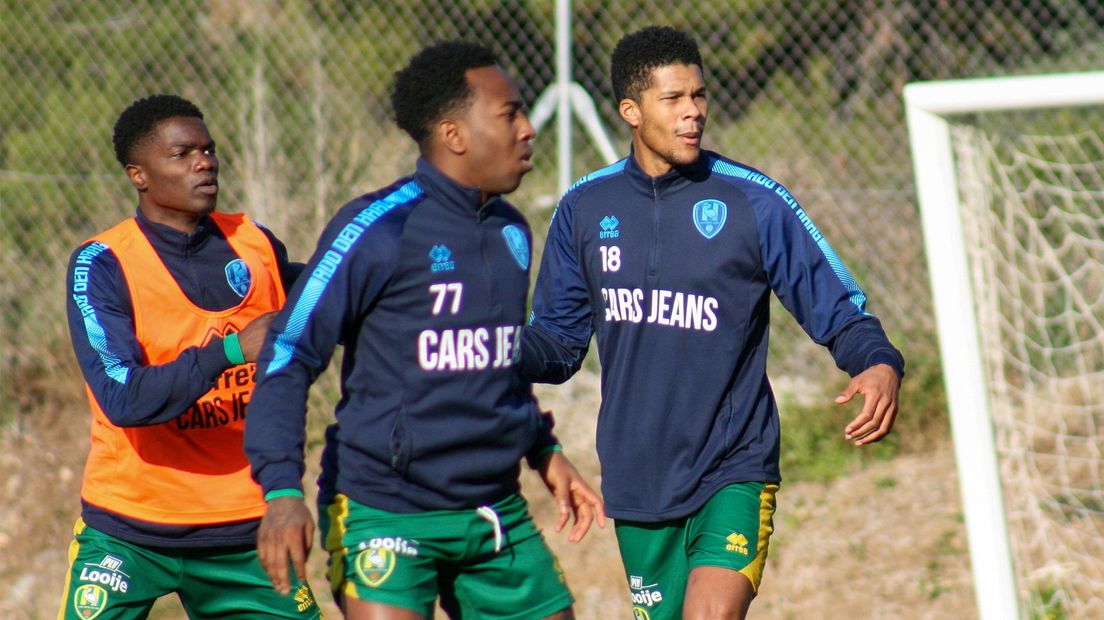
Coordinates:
x,y
491,516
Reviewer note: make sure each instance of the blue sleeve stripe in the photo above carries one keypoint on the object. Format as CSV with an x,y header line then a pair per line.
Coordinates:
x,y
855,294
97,337
286,341
113,366
613,168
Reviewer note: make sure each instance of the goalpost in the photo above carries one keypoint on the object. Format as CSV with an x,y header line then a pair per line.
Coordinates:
x,y
1014,234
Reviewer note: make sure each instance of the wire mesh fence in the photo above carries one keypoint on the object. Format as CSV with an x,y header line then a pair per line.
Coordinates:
x,y
296,94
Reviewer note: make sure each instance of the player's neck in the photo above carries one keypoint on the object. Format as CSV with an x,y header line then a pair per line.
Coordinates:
x,y
184,221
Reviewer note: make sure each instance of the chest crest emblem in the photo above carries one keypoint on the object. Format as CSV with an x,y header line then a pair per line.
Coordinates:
x,y
709,217
518,244
238,276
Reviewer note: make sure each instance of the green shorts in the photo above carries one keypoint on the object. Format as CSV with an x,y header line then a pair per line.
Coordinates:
x,y
732,530
490,562
111,579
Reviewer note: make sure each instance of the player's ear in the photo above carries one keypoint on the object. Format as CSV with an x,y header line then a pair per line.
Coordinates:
x,y
137,177
630,111
452,135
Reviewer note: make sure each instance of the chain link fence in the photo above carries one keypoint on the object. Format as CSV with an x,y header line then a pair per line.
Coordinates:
x,y
296,94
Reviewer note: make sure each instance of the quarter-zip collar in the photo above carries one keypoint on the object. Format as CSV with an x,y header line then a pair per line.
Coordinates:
x,y
674,180
449,193
174,242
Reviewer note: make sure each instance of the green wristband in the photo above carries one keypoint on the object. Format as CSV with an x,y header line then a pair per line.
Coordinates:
x,y
276,493
535,460
550,449
233,350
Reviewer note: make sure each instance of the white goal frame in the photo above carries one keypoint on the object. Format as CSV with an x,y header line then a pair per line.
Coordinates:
x,y
927,104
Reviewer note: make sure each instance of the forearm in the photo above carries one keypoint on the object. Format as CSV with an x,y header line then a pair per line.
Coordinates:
x,y
548,358
112,361
862,344
275,431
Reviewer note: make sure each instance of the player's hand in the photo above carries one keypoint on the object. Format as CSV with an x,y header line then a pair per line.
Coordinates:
x,y
879,386
573,496
252,336
286,535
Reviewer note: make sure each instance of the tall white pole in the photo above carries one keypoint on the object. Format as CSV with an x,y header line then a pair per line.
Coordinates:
x,y
963,375
563,92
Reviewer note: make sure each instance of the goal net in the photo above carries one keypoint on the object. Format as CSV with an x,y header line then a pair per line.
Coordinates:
x,y
1033,224
1029,188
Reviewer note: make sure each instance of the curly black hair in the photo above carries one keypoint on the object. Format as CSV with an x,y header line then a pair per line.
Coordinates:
x,y
433,85
637,54
137,122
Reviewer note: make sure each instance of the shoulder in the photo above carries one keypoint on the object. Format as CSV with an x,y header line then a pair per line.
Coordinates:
x,y
379,216
763,192
93,252
739,175
590,186
369,208
601,177
94,271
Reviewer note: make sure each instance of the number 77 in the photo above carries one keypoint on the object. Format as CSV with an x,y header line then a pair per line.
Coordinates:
x,y
441,291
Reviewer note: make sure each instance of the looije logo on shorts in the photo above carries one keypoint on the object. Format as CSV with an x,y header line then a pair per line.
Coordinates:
x,y
644,597
106,573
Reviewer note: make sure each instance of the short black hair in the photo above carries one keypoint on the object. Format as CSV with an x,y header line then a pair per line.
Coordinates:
x,y
139,119
637,54
433,85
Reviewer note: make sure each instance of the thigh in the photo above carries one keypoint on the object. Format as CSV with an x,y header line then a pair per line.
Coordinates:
x,y
518,578
732,530
654,555
111,579
230,583
384,558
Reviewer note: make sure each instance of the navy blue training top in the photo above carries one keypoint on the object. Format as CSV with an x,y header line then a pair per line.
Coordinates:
x,y
133,394
426,288
673,274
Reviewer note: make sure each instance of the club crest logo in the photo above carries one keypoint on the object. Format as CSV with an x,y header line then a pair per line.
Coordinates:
x,y
518,244
442,259
710,216
639,613
89,601
609,228
237,276
374,566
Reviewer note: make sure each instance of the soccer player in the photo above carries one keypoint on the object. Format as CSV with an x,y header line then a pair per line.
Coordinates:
x,y
670,256
167,311
424,282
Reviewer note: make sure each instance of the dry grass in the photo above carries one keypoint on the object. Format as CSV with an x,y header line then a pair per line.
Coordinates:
x,y
886,542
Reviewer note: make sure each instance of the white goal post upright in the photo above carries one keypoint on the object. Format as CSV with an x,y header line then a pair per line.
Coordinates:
x,y
927,105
